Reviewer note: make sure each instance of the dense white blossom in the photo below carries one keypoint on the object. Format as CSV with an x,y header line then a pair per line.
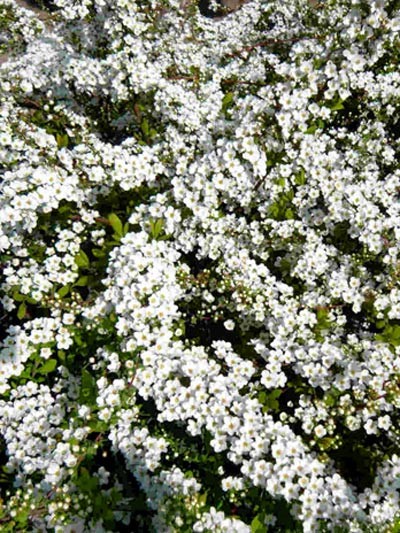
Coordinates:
x,y
199,227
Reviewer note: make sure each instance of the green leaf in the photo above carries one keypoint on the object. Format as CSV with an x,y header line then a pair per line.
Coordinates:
x,y
289,214
98,426
273,210
202,500
300,178
227,100
322,314
262,397
145,127
332,396
98,252
156,227
82,260
98,504
21,311
82,281
326,443
276,393
62,140
269,400
116,224
86,482
396,526
257,524
337,105
330,400
18,297
22,518
312,129
48,366
88,392
63,291
27,373
395,334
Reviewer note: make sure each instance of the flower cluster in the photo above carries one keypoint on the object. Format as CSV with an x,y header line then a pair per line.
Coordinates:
x,y
199,227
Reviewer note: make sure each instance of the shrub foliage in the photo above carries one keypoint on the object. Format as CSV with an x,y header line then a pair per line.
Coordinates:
x,y
199,245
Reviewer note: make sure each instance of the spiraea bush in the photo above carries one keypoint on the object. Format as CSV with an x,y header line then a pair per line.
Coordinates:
x,y
200,226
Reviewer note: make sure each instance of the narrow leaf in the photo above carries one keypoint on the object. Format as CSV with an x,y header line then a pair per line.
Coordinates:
x,y
21,310
63,291
48,366
62,140
82,281
116,224
226,100
156,227
82,260
145,127
257,525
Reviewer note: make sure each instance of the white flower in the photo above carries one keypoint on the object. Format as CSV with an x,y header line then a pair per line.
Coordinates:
x,y
229,325
384,422
319,431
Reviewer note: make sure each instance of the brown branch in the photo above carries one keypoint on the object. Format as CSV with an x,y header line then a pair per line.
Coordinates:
x,y
269,42
99,220
188,78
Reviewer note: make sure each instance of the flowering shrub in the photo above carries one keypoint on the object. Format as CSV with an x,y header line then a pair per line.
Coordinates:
x,y
199,237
